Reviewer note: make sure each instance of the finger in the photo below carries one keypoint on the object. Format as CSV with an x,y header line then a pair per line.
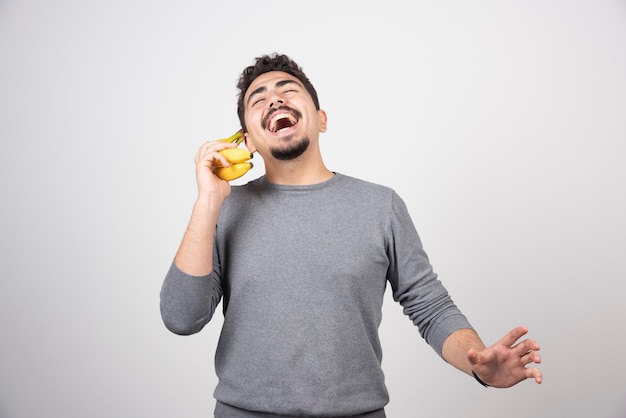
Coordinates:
x,y
526,346
531,357
218,160
512,336
202,151
533,373
210,146
199,153
209,153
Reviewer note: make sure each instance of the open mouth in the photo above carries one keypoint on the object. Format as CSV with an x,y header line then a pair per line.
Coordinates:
x,y
280,121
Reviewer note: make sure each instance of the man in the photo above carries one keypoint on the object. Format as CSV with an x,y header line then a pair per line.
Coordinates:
x,y
300,259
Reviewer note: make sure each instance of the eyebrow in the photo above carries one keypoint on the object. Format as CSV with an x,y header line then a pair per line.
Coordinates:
x,y
278,84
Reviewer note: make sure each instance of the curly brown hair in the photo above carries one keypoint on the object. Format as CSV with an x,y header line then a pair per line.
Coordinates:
x,y
265,64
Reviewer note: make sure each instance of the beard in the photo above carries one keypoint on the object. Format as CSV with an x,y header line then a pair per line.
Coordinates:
x,y
291,150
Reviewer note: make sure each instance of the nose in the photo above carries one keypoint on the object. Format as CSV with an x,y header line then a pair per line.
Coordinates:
x,y
276,103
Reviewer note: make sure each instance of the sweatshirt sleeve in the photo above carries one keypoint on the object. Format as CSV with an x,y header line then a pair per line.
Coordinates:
x,y
188,302
415,286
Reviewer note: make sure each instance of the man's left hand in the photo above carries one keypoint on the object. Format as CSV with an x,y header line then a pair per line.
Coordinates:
x,y
503,364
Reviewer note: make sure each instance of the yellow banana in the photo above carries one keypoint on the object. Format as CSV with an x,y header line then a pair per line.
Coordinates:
x,y
237,158
234,155
233,171
237,138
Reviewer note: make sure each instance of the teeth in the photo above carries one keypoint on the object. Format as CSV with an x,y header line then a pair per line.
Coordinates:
x,y
274,122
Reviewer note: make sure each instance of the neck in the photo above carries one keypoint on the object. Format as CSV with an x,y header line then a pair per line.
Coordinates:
x,y
297,172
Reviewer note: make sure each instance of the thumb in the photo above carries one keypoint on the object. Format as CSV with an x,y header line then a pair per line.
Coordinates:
x,y
473,356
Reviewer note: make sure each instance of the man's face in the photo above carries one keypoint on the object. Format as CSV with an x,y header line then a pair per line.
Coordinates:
x,y
280,116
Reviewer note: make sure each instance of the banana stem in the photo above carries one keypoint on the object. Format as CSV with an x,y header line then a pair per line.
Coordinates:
x,y
237,137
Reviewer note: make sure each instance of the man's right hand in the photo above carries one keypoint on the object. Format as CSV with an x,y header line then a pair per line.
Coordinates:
x,y
209,184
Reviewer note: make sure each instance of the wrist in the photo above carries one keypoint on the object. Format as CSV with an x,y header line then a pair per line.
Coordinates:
x,y
479,380
209,201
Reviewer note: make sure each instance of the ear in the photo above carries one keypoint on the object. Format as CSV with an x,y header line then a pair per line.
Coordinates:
x,y
323,120
248,143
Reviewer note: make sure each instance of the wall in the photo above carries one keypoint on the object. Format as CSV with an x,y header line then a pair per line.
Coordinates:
x,y
500,123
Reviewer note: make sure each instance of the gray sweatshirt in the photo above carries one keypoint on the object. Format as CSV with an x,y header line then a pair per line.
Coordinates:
x,y
301,272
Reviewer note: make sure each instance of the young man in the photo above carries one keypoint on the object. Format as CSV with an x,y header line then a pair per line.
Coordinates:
x,y
300,259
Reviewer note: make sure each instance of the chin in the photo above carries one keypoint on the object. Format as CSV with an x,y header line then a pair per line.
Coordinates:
x,y
291,150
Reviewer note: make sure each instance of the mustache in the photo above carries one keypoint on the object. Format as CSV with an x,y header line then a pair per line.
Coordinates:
x,y
271,113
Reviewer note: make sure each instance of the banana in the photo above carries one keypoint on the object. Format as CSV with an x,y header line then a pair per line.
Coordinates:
x,y
233,171
237,138
237,158
234,155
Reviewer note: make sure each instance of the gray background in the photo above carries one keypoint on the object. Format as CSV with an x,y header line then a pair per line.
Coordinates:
x,y
501,124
